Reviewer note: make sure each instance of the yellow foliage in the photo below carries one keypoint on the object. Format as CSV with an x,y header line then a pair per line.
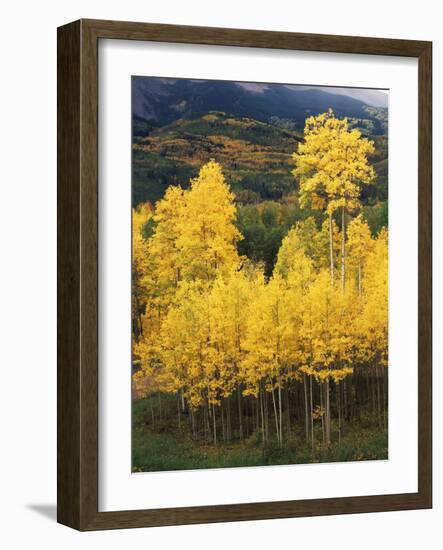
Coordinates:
x,y
332,164
212,323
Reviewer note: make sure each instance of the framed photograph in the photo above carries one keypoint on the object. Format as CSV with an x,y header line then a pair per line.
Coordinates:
x,y
244,275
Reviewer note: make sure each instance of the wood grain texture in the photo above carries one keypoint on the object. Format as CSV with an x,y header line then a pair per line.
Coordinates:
x,y
68,276
78,274
425,273
254,38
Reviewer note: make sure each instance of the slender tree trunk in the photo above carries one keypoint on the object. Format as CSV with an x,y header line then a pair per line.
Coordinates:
x,y
208,417
374,407
331,250
385,397
377,378
265,406
328,413
160,406
343,247
206,422
228,419
280,411
262,417
152,413
312,414
178,413
257,412
222,414
323,412
277,431
368,386
248,407
192,412
306,407
214,424
339,411
288,411
240,414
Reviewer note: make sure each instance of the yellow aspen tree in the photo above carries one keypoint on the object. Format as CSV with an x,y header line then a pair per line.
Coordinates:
x,y
298,270
293,248
195,236
193,241
232,302
163,275
360,245
373,320
371,326
303,240
140,217
207,234
268,343
327,329
331,165
183,336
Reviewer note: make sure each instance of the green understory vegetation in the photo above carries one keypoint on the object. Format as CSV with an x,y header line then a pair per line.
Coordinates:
x,y
159,444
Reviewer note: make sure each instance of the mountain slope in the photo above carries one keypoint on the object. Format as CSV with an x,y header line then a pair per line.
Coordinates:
x,y
255,155
161,101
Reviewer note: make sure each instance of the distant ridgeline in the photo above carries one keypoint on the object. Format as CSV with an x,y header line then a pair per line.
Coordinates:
x,y
251,130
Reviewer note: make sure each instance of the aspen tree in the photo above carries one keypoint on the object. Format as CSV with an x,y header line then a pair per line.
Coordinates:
x,y
360,245
331,165
140,217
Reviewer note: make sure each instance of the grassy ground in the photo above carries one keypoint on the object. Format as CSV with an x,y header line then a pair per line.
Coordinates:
x,y
168,448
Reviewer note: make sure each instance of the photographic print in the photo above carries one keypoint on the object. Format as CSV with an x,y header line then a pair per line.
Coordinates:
x,y
259,274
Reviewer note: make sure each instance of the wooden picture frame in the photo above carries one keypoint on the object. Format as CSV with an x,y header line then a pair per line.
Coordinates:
x,y
78,274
